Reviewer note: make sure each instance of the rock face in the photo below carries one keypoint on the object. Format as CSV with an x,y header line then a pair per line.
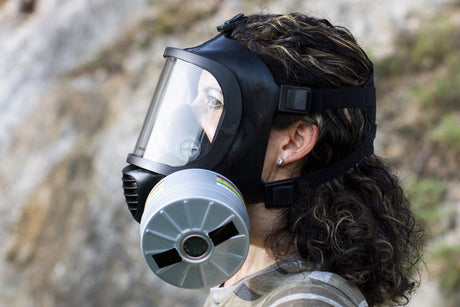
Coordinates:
x,y
74,87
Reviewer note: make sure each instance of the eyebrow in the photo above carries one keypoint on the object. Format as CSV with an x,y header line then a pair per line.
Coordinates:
x,y
207,89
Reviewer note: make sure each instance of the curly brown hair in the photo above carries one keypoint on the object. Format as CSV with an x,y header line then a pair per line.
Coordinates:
x,y
358,225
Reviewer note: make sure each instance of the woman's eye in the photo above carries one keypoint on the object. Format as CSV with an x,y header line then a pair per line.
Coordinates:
x,y
214,103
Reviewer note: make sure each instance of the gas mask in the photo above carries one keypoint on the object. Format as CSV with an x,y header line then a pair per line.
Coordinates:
x,y
201,150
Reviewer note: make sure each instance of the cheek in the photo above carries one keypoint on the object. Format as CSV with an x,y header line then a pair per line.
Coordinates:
x,y
210,123
270,158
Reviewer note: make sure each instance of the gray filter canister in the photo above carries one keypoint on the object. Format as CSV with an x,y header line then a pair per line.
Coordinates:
x,y
195,229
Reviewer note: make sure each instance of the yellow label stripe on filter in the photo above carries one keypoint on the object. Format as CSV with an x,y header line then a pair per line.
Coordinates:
x,y
227,184
156,189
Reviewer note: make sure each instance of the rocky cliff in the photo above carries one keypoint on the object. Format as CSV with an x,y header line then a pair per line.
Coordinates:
x,y
75,82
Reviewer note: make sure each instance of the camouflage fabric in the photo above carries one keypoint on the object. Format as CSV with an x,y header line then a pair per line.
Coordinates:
x,y
290,282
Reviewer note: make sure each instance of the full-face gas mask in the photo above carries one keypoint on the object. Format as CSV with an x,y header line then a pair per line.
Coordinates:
x,y
201,150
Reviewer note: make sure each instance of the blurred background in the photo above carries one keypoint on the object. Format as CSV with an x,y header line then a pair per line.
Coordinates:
x,y
76,78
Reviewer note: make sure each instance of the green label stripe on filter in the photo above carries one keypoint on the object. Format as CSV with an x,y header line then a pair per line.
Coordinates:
x,y
230,186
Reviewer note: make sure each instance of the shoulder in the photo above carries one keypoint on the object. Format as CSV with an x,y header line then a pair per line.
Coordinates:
x,y
315,288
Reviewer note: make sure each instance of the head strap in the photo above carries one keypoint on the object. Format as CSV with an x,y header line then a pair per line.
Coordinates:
x,y
302,100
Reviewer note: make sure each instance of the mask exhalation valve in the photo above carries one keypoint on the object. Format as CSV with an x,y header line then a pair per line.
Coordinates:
x,y
195,229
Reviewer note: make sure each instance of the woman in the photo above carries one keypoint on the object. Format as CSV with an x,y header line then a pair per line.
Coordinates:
x,y
343,242
284,107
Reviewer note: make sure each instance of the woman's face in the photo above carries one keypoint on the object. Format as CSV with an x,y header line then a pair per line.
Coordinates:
x,y
209,104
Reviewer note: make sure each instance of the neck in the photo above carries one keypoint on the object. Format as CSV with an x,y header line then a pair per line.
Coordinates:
x,y
262,223
256,260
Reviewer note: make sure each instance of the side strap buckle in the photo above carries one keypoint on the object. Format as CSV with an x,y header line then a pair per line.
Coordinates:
x,y
279,194
294,99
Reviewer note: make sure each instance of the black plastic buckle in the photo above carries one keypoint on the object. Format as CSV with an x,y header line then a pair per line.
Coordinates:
x,y
279,194
295,99
231,23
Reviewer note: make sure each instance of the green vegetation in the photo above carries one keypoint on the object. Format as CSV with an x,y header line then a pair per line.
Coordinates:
x,y
428,63
434,44
426,195
447,132
442,92
433,50
446,268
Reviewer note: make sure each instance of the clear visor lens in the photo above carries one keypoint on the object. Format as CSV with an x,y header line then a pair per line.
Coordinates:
x,y
183,117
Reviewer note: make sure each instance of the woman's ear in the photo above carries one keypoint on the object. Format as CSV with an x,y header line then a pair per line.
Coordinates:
x,y
302,137
286,148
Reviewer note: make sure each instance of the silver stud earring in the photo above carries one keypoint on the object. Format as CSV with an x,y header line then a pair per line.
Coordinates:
x,y
280,161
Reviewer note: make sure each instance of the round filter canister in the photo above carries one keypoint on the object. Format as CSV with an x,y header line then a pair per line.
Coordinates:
x,y
194,229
